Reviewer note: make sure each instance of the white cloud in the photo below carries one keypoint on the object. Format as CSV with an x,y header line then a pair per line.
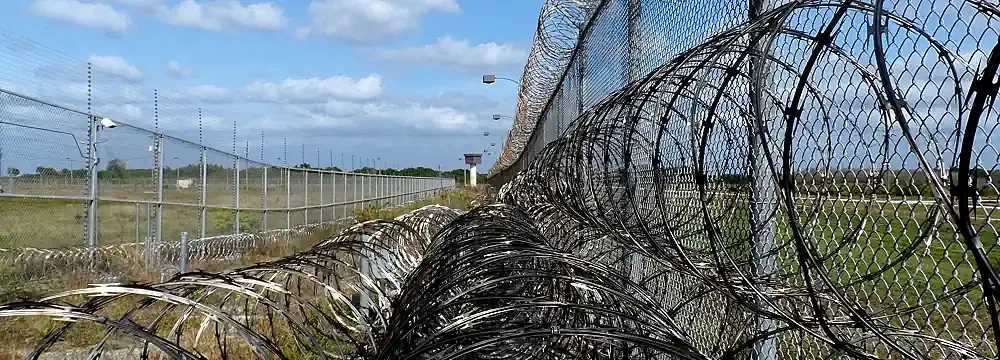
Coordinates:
x,y
370,20
460,54
175,69
116,67
313,90
382,117
94,15
211,92
220,15
148,4
214,15
420,116
129,112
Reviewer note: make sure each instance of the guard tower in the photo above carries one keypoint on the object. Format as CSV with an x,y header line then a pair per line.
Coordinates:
x,y
473,160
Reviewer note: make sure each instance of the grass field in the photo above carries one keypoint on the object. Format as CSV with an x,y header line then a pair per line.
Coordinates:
x,y
901,260
125,211
19,334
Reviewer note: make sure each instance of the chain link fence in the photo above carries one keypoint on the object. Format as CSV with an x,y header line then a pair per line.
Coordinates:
x,y
585,50
78,188
794,179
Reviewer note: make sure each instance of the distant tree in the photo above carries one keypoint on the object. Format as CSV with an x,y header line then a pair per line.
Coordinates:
x,y
457,174
304,166
332,168
117,168
13,171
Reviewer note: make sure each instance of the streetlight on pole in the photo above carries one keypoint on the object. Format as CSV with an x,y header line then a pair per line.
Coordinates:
x,y
490,79
497,117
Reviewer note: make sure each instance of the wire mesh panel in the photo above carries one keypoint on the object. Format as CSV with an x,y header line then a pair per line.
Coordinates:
x,y
251,195
182,175
315,197
329,197
127,157
220,179
43,154
817,182
298,198
64,122
276,197
220,190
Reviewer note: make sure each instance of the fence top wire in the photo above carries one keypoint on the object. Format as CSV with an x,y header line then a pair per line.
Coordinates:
x,y
556,41
122,126
585,50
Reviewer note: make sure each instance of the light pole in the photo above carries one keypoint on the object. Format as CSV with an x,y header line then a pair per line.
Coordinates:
x,y
490,79
497,117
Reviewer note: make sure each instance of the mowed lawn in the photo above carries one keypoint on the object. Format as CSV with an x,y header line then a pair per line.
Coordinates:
x,y
900,260
57,223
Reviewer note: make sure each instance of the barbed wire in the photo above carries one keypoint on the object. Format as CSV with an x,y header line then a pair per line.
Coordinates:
x,y
790,188
824,207
270,310
559,27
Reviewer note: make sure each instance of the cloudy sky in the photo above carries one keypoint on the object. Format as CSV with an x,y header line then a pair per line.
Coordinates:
x,y
395,79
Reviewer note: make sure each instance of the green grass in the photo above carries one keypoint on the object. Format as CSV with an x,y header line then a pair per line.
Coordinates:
x,y
43,223
864,246
460,199
31,281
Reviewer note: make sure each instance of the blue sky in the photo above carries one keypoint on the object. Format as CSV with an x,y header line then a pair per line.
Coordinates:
x,y
395,79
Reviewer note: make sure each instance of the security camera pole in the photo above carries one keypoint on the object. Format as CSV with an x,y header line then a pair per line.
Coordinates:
x,y
472,160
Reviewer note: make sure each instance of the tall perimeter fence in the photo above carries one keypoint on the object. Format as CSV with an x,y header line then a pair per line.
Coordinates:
x,y
791,179
78,188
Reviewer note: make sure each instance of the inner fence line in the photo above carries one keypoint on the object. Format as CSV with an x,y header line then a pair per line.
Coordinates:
x,y
133,185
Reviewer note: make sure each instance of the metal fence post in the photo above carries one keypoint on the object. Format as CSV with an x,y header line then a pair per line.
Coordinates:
x,y
236,194
204,192
321,203
138,238
288,198
159,189
305,185
633,69
334,186
344,206
763,191
184,251
92,189
263,201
